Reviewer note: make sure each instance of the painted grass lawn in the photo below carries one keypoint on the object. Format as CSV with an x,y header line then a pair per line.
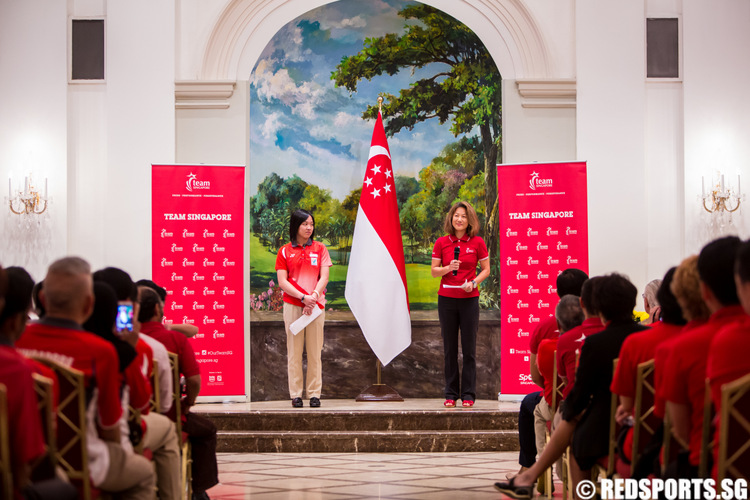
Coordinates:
x,y
423,287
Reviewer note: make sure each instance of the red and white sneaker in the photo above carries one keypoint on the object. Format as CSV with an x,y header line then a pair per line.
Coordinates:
x,y
450,403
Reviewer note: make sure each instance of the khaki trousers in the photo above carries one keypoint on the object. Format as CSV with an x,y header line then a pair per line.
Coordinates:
x,y
161,439
131,476
312,339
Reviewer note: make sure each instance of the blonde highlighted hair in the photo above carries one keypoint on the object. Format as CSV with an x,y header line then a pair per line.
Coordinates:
x,y
685,287
471,215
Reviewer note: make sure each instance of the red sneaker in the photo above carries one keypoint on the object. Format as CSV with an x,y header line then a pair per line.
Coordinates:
x,y
450,403
467,403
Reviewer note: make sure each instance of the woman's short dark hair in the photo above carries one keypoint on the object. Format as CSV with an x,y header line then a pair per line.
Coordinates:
x,y
588,295
471,219
295,221
671,312
742,262
149,301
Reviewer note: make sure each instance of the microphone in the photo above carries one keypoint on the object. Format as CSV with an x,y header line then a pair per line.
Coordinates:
x,y
456,251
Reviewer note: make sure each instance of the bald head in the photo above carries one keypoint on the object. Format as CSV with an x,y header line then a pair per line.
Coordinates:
x,y
68,289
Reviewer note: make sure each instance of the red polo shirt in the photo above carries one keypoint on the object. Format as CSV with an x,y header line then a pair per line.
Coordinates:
x,y
175,343
472,250
639,348
685,372
24,424
547,329
545,364
303,265
65,342
662,353
569,345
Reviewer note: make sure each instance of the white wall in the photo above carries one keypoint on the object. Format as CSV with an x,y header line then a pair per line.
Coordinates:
x,y
717,109
611,119
33,48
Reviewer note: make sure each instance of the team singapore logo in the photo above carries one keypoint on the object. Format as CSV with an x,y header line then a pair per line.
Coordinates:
x,y
208,321
569,231
521,333
217,248
227,291
530,232
176,277
542,276
176,307
551,261
571,260
207,291
509,233
198,306
537,182
510,262
532,289
186,291
218,306
512,319
197,248
534,319
542,304
520,247
521,276
187,234
552,232
166,234
198,277
512,290
208,234
228,263
208,263
522,305
175,248
540,247
532,261
193,183
561,246
228,234
188,321
166,263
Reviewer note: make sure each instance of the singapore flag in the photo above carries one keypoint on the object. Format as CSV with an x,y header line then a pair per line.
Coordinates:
x,y
376,280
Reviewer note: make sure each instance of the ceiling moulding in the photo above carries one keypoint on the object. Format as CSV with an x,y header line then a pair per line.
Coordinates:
x,y
547,93
203,94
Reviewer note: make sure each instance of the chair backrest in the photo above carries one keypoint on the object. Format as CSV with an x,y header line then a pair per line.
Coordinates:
x,y
72,452
174,363
708,440
155,401
6,472
43,389
613,402
557,391
734,428
645,423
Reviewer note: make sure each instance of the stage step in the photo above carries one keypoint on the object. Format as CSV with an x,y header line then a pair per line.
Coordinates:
x,y
320,430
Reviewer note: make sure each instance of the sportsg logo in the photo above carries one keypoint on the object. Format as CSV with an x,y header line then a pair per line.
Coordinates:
x,y
193,183
536,182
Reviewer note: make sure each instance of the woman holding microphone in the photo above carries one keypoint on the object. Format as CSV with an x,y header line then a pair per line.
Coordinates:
x,y
302,267
455,257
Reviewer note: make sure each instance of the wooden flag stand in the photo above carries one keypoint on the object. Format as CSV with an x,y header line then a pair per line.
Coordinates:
x,y
379,391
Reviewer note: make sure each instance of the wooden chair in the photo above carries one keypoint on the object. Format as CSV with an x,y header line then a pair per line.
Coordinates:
x,y
71,452
599,470
186,462
6,471
734,428
155,402
708,440
557,397
645,423
44,466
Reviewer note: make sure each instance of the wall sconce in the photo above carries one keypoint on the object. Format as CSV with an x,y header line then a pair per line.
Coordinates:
x,y
721,198
28,201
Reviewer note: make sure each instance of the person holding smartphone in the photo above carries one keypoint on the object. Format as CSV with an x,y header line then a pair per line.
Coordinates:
x,y
455,257
302,267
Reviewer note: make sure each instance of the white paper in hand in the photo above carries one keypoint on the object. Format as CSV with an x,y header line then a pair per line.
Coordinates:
x,y
304,320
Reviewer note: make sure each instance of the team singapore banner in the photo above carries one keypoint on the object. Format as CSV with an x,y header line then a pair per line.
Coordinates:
x,y
197,255
543,231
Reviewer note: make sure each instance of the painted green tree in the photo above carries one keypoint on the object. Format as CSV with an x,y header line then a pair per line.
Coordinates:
x,y
465,88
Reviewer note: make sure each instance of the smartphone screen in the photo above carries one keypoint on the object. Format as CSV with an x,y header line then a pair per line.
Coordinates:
x,y
124,316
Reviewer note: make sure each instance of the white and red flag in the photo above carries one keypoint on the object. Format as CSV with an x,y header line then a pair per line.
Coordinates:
x,y
376,279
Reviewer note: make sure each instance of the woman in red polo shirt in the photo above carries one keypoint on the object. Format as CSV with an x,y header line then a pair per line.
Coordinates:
x,y
455,257
302,269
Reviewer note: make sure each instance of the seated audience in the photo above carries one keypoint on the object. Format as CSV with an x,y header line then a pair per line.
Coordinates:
x,y
202,431
569,315
685,369
585,412
685,287
727,357
184,328
639,348
25,422
569,282
67,295
113,286
570,343
651,302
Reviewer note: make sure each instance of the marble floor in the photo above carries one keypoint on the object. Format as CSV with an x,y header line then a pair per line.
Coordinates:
x,y
344,476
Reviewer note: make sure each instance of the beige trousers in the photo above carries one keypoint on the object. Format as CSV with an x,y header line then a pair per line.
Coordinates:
x,y
131,476
310,338
161,439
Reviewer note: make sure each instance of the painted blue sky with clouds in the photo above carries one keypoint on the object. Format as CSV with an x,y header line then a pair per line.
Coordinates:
x,y
300,123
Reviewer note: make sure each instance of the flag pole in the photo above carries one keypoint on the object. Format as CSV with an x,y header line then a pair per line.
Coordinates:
x,y
379,391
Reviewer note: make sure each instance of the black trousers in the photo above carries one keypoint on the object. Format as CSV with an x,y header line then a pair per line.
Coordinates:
x,y
460,314
202,435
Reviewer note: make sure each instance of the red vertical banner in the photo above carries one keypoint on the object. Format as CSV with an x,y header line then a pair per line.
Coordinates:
x,y
543,231
198,256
